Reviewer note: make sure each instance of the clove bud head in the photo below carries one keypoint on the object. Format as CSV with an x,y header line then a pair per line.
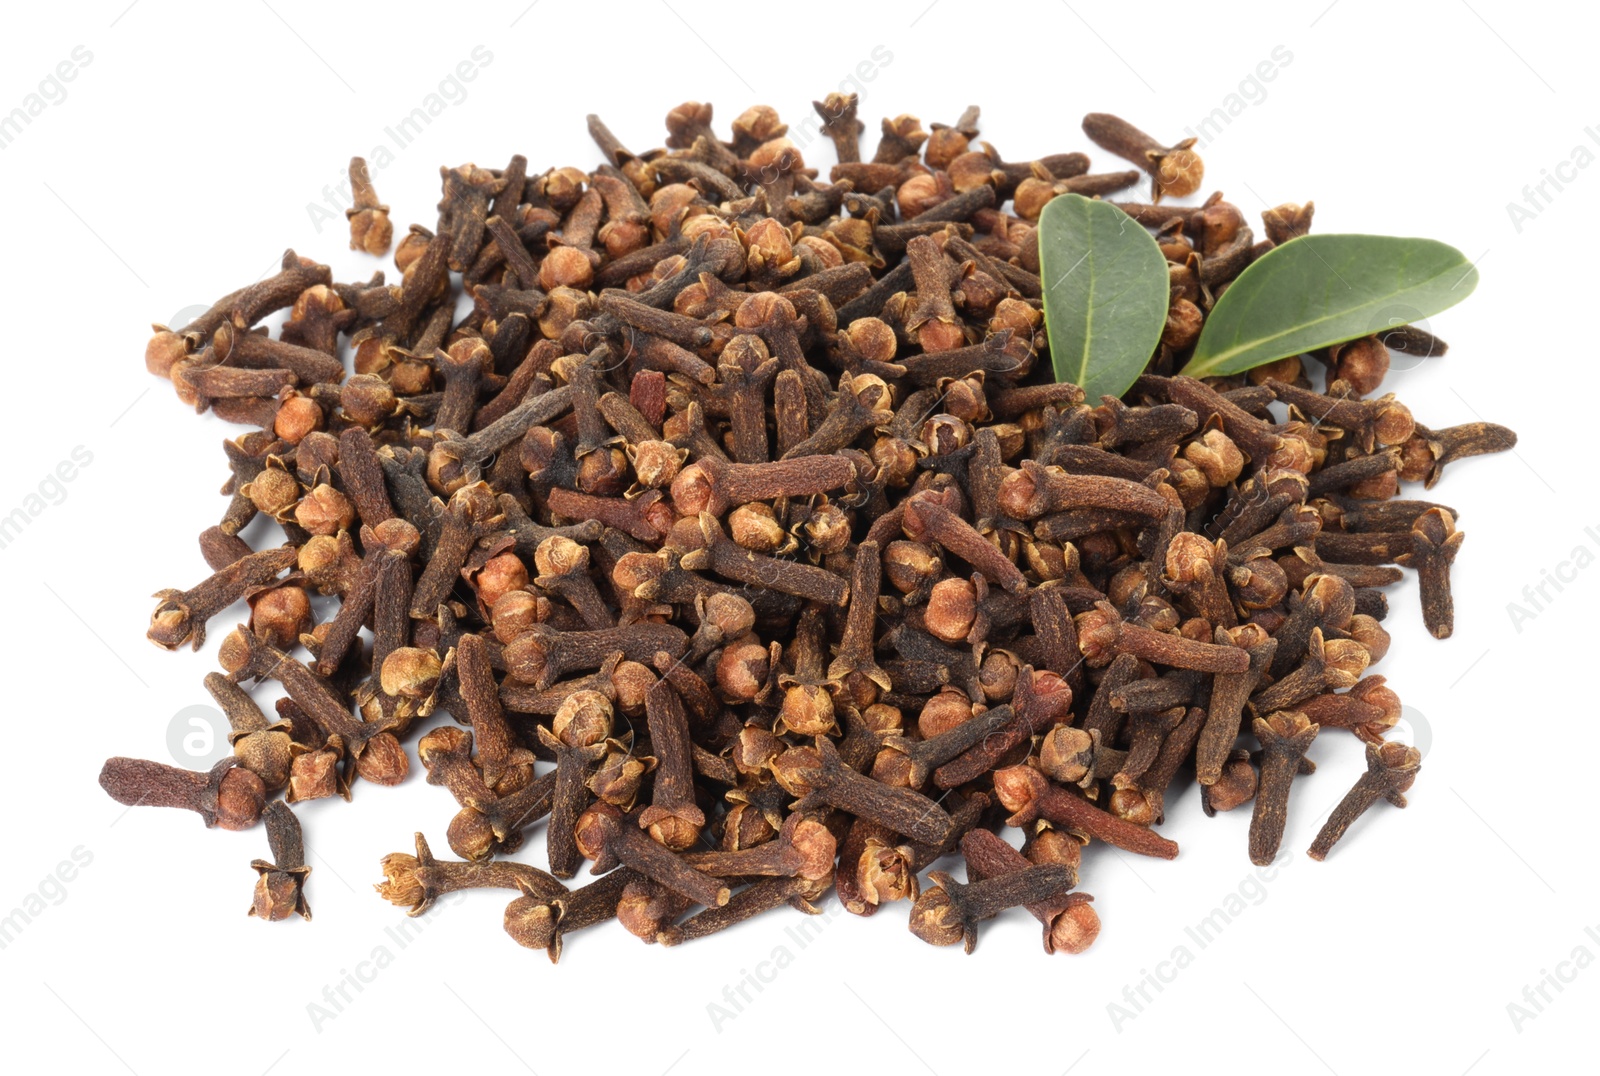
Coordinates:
x,y
531,922
278,895
1075,929
935,919
885,873
240,798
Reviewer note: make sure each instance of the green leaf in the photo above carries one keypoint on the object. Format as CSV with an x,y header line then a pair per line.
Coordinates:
x,y
1105,294
1325,289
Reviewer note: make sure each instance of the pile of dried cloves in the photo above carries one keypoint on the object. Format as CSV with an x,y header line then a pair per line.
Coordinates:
x,y
741,534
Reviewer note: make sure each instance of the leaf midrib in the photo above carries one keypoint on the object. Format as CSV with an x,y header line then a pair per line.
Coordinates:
x,y
1223,356
1203,367
1088,312
1088,321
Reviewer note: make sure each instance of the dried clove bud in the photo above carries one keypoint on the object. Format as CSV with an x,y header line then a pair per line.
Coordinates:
x,y
280,884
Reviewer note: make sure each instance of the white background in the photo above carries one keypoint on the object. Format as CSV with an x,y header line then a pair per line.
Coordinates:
x,y
182,162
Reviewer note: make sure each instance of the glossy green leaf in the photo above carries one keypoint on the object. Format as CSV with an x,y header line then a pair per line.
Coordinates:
x,y
1105,294
1324,289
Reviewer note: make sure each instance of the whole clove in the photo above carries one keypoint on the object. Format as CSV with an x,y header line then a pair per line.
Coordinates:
x,y
281,882
1391,768
228,795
